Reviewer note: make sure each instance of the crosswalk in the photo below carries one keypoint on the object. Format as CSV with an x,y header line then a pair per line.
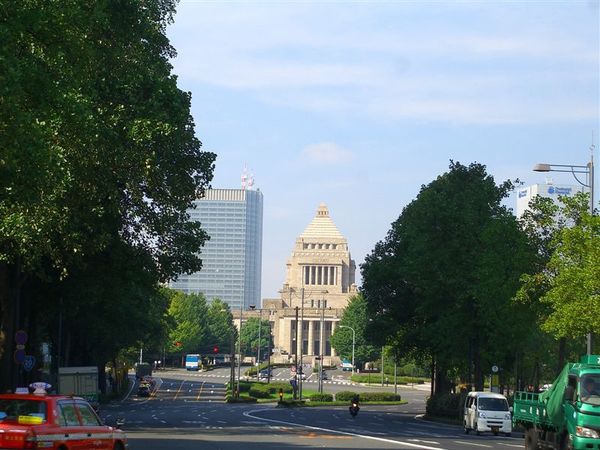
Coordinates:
x,y
209,375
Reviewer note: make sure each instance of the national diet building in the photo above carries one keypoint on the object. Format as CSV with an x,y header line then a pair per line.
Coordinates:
x,y
320,281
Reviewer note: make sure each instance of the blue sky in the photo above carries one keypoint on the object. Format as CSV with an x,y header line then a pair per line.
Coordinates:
x,y
358,104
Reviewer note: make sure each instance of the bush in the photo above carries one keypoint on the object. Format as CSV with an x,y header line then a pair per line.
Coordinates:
x,y
379,397
345,396
446,405
321,397
241,399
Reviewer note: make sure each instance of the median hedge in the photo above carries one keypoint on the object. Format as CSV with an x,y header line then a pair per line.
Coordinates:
x,y
346,396
446,405
321,397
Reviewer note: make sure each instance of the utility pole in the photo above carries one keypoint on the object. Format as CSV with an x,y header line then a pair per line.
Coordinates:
x,y
382,370
239,353
301,338
296,359
321,345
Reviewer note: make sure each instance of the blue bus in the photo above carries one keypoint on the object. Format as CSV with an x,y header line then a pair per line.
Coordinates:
x,y
192,362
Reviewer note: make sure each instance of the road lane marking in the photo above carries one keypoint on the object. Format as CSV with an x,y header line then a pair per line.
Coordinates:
x,y
179,390
200,391
472,443
510,445
363,436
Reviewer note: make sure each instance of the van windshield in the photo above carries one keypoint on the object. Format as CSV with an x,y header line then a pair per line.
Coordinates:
x,y
492,404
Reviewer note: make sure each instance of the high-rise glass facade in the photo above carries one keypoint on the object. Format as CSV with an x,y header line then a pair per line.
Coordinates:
x,y
232,258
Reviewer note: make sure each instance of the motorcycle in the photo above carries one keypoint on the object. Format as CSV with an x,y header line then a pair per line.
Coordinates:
x,y
354,408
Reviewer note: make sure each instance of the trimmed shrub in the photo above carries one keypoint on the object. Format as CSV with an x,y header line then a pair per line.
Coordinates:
x,y
321,397
446,405
345,396
379,397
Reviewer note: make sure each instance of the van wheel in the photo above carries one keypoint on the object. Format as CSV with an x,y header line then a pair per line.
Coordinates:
x,y
531,439
477,432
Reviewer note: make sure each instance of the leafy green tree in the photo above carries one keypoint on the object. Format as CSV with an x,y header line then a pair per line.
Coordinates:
x,y
442,281
249,337
544,222
573,279
221,330
189,312
355,315
97,148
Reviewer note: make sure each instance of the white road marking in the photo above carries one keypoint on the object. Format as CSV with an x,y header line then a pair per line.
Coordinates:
x,y
510,445
472,443
363,436
425,442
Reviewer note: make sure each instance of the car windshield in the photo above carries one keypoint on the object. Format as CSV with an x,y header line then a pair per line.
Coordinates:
x,y
589,389
12,409
492,404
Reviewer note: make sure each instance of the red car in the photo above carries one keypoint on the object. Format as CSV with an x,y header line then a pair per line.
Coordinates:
x,y
60,422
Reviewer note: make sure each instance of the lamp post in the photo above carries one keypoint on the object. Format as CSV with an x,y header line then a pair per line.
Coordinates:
x,y
252,307
353,343
239,353
588,170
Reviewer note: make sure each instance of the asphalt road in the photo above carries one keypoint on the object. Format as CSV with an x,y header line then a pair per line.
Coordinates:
x,y
188,412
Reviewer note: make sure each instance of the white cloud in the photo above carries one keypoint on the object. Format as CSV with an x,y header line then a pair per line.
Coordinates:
x,y
327,152
332,60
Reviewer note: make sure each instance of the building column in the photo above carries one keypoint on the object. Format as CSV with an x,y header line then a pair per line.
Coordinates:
x,y
334,326
311,337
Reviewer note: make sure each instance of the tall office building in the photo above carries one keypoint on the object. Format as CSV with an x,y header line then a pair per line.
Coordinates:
x,y
549,190
232,258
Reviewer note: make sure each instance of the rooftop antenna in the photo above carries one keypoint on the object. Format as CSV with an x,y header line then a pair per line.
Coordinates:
x,y
245,177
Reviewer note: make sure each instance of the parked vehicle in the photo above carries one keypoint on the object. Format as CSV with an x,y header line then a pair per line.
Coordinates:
x,y
143,370
567,415
81,381
487,411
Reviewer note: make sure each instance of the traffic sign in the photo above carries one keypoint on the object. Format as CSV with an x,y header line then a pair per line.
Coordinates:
x,y
495,369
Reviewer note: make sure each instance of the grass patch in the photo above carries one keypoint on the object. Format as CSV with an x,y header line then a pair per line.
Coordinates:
x,y
375,378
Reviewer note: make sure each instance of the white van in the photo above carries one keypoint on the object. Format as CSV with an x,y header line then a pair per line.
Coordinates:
x,y
487,411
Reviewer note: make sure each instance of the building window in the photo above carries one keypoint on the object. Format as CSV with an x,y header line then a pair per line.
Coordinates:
x,y
325,275
332,275
306,275
313,274
319,275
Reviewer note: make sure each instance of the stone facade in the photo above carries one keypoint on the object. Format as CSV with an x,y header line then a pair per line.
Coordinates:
x,y
319,282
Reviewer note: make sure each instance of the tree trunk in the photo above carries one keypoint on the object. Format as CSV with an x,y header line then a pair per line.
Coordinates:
x,y
477,369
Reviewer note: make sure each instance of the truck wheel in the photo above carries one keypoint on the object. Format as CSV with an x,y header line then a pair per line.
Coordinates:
x,y
567,442
531,439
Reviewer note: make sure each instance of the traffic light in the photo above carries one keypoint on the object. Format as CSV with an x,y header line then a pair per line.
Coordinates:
x,y
216,349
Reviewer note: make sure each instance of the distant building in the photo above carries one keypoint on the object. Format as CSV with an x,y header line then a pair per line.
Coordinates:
x,y
232,258
322,271
549,190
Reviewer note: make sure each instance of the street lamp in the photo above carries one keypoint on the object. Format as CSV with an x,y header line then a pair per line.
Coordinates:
x,y
252,307
239,353
353,343
588,170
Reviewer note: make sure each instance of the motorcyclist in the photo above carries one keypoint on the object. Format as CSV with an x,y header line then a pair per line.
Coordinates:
x,y
354,408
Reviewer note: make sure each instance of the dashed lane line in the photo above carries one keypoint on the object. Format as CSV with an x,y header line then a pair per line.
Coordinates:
x,y
472,443
345,433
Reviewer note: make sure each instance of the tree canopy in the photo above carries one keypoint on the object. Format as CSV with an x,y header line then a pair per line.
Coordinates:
x,y
450,266
98,161
356,316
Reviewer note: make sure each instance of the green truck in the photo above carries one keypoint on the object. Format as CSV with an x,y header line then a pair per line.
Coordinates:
x,y
567,415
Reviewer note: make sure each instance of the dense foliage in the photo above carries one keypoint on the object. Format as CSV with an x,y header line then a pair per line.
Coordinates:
x,y
98,165
441,283
356,316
